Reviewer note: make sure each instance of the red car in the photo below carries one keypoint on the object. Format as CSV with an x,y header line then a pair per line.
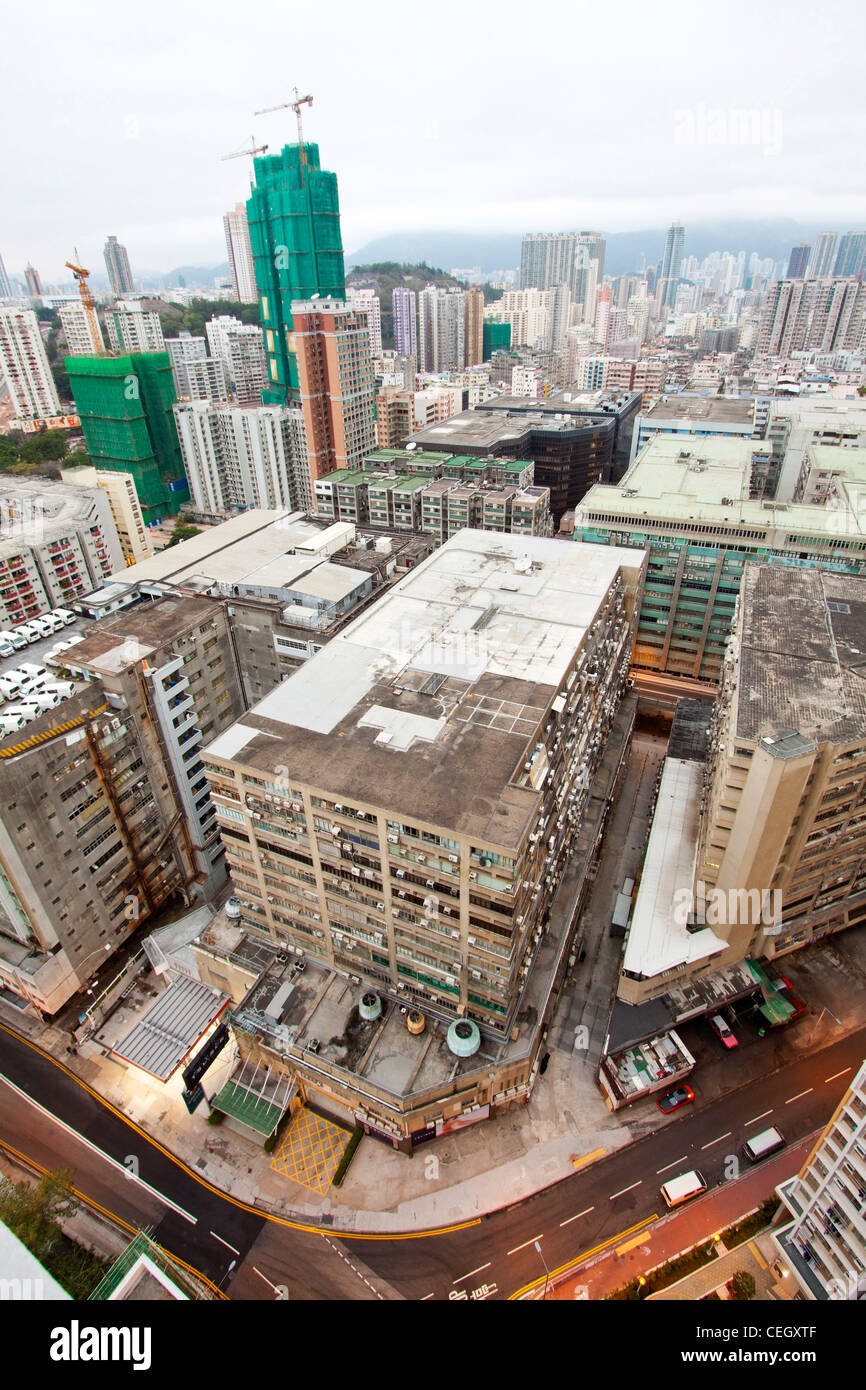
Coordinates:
x,y
722,1031
672,1100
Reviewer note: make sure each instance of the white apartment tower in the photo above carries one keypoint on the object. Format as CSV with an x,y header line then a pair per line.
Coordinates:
x,y
369,303
79,328
131,328
441,330
244,456
240,254
824,1246
25,366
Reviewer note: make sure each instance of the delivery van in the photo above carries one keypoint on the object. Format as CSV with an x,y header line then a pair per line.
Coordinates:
x,y
683,1188
769,1141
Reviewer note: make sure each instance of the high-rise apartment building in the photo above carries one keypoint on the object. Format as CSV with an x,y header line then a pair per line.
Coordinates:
x,y
125,405
528,314
125,508
367,301
57,542
117,265
182,350
240,254
294,220
798,261
547,258
241,349
669,271
132,328
34,282
5,287
851,255
405,317
25,368
107,812
441,329
823,1241
244,456
823,257
827,315
474,337
82,330
336,384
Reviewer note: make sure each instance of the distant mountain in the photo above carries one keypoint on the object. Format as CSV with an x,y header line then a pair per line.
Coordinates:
x,y
196,277
496,251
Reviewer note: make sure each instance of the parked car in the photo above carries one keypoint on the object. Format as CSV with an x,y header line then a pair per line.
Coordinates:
x,y
25,712
10,684
42,700
15,639
6,648
63,688
722,1030
672,1100
64,615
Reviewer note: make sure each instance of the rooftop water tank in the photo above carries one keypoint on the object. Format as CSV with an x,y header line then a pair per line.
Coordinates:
x,y
463,1037
233,909
415,1022
370,1007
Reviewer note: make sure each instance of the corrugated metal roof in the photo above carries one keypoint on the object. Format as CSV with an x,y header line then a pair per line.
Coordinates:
x,y
170,1028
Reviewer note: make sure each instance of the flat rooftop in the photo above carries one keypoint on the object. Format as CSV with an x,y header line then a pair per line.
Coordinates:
x,y
569,402
38,510
471,429
707,480
123,639
658,939
430,702
702,410
802,654
228,551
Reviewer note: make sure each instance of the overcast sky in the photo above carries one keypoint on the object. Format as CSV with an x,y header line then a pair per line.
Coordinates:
x,y
502,117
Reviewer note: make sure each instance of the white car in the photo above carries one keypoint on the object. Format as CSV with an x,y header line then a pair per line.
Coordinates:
x,y
64,615
45,699
24,712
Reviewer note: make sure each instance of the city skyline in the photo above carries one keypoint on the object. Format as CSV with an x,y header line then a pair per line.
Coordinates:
x,y
129,171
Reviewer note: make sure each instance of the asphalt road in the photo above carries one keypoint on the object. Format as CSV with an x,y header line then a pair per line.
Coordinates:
x,y
494,1256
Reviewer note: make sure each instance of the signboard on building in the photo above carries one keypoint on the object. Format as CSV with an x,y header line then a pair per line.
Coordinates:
x,y
469,1117
51,422
193,1098
196,1069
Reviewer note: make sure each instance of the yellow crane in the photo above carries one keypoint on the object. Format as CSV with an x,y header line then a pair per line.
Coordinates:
x,y
295,106
81,275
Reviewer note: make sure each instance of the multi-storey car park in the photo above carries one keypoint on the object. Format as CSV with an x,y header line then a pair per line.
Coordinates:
x,y
399,814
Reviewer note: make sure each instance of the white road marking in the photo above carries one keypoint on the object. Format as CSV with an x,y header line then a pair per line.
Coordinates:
x,y
791,1099
471,1272
625,1189
262,1276
671,1165
524,1245
759,1117
577,1217
225,1243
428,1295
836,1075
127,1172
716,1141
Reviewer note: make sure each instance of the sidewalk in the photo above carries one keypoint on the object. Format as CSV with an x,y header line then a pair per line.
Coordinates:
x,y
675,1234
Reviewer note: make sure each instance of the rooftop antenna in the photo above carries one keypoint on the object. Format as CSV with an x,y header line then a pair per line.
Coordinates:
x,y
295,106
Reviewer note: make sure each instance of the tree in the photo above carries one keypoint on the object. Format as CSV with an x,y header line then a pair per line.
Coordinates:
x,y
182,532
34,1214
741,1286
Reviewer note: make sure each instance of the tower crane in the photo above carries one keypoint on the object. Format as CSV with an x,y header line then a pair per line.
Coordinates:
x,y
253,150
81,275
295,106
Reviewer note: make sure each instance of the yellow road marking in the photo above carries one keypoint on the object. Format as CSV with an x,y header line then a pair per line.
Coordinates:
x,y
630,1245
218,1191
581,1259
581,1160
112,1216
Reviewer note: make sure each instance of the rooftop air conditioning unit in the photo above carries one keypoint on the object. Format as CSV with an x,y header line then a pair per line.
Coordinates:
x,y
380,907
454,858
431,883
337,808
393,839
473,877
421,858
471,940
400,873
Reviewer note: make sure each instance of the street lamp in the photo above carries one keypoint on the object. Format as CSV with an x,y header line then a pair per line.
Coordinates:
x,y
537,1245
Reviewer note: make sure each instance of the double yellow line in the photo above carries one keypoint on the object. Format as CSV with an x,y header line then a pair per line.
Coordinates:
x,y
581,1259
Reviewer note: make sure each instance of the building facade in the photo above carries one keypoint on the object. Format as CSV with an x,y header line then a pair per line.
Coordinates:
x,y
405,319
441,330
240,255
336,384
117,265
244,456
132,328
25,366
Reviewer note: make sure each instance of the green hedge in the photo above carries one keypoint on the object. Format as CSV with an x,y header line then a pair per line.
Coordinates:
x,y
348,1155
